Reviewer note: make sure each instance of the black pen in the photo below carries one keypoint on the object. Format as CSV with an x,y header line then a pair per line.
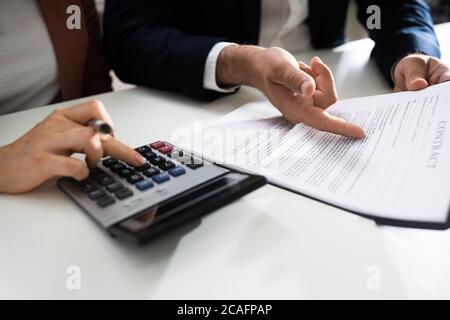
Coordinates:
x,y
100,126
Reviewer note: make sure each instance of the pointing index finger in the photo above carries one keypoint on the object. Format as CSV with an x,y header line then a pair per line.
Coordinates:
x,y
120,151
322,120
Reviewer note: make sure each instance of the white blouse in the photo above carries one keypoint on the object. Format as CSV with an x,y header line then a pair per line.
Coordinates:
x,y
28,66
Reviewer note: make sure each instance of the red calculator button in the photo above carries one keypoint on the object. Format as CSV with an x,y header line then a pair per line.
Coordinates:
x,y
165,149
157,144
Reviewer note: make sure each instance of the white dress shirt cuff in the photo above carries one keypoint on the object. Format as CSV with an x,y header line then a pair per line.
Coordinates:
x,y
209,75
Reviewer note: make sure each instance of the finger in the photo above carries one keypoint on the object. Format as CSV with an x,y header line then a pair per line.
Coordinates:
x,y
324,99
64,166
324,79
84,112
57,122
321,120
80,139
297,81
120,151
415,73
326,93
93,151
440,75
400,83
65,124
444,77
398,89
73,140
305,68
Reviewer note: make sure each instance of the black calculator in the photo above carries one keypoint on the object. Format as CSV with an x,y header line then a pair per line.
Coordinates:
x,y
172,188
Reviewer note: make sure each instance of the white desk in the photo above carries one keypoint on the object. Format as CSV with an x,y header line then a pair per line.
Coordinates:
x,y
270,244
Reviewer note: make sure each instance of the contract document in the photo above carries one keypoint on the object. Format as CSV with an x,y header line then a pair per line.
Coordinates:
x,y
398,174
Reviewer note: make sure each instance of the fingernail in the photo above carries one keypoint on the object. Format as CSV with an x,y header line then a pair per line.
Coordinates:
x,y
318,59
140,159
361,134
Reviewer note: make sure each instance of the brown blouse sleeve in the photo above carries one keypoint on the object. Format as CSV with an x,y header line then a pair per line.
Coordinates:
x,y
96,73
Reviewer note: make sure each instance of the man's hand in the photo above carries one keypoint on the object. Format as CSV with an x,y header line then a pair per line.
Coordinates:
x,y
301,93
44,151
418,71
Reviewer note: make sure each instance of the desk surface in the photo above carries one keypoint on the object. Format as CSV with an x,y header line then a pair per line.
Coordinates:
x,y
270,244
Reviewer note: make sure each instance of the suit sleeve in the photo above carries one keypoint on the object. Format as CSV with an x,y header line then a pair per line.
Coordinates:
x,y
406,27
96,71
145,47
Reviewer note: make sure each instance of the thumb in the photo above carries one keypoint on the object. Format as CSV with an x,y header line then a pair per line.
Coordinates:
x,y
416,74
298,81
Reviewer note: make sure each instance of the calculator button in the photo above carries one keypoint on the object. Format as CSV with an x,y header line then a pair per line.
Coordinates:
x,y
109,162
96,194
194,166
194,163
100,177
144,184
96,173
176,154
123,193
126,172
113,187
157,160
143,167
157,144
142,150
165,149
117,167
134,178
149,155
160,178
185,159
167,165
151,172
105,180
177,171
88,187
105,201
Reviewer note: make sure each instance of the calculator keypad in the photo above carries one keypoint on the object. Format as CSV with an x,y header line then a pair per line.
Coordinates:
x,y
104,187
115,190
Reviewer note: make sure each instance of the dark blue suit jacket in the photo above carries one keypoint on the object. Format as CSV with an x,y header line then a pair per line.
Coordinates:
x,y
164,43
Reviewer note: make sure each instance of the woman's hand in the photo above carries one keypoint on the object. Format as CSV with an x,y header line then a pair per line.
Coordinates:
x,y
45,151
